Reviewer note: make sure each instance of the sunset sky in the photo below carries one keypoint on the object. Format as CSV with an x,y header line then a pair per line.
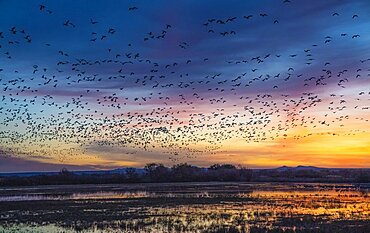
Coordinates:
x,y
108,84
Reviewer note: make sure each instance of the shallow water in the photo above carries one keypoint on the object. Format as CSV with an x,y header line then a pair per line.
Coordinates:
x,y
188,207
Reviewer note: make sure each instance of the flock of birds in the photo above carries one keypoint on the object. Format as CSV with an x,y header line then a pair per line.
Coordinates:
x,y
160,106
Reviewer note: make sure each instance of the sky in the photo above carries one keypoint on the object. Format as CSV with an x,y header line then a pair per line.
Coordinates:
x,y
108,84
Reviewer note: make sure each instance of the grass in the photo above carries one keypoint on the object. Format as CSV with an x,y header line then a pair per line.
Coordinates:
x,y
217,207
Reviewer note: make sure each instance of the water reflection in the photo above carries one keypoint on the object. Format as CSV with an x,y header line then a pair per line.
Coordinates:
x,y
191,208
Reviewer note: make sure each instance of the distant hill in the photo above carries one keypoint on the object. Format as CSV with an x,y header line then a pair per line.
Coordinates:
x,y
102,172
299,168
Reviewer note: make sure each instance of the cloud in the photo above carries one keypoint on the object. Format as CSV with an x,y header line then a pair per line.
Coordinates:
x,y
12,164
304,51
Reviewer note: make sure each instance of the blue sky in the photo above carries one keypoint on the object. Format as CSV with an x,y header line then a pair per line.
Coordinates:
x,y
89,83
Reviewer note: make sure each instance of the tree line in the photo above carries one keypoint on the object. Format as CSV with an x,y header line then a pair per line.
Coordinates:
x,y
152,172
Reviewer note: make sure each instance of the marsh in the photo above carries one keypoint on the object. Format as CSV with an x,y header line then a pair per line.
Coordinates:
x,y
186,207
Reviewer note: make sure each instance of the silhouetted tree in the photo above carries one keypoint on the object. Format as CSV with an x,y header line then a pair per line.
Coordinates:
x,y
185,172
224,172
157,172
223,166
64,172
